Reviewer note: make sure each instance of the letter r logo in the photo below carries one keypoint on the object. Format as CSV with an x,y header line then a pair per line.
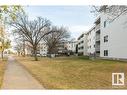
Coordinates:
x,y
117,78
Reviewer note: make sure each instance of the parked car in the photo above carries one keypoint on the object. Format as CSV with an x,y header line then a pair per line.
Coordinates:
x,y
39,55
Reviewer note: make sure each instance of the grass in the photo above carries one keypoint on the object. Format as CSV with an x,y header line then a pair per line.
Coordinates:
x,y
2,68
74,72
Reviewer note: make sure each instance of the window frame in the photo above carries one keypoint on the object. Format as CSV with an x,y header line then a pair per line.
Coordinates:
x,y
106,38
106,52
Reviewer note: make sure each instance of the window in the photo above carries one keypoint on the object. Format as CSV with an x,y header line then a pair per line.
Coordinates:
x,y
106,38
105,52
104,24
82,47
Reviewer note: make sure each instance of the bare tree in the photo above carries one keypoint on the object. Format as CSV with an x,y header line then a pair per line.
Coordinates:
x,y
18,48
57,35
113,11
32,31
18,42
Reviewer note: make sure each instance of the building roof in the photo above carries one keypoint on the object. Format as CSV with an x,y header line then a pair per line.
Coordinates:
x,y
91,29
82,35
97,19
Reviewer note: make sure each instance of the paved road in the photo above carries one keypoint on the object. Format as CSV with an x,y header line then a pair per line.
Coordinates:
x,y
17,77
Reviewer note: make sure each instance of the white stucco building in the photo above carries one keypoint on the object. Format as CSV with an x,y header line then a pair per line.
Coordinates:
x,y
82,44
86,42
107,39
67,47
113,37
43,48
71,46
91,41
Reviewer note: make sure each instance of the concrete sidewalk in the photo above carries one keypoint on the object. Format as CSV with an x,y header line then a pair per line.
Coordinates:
x,y
17,77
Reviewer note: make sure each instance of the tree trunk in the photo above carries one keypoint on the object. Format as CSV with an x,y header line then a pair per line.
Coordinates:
x,y
2,54
18,53
35,54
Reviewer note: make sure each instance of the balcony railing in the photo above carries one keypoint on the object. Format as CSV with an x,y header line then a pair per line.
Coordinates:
x,y
97,49
98,37
97,54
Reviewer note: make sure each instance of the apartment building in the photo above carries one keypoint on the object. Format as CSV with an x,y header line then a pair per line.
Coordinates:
x,y
113,37
87,42
67,47
91,42
71,46
97,36
43,50
82,44
107,39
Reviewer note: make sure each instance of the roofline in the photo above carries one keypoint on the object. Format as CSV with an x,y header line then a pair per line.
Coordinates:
x,y
90,29
98,17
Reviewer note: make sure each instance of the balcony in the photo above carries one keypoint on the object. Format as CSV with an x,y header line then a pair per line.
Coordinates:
x,y
98,37
97,48
97,54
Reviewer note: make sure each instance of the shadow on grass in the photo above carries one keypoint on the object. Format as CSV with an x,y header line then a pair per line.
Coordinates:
x,y
83,57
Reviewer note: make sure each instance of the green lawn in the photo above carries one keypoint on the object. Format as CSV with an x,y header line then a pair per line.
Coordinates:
x,y
74,72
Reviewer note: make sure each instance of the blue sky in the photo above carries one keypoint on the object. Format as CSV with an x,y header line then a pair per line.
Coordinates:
x,y
77,18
